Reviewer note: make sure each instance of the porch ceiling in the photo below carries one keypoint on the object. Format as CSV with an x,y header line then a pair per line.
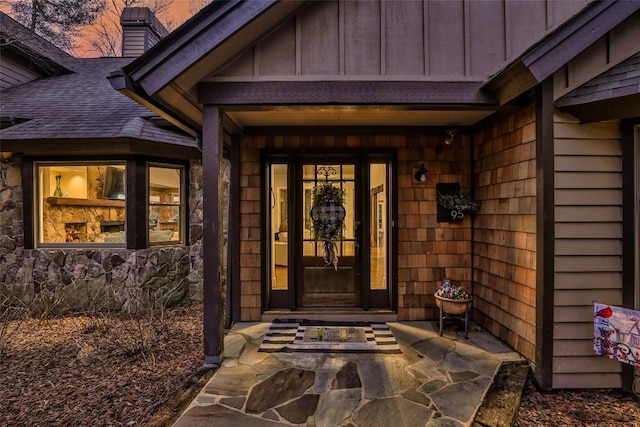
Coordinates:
x,y
355,116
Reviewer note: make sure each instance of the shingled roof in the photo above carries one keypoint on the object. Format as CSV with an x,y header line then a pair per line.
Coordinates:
x,y
616,91
46,56
74,104
79,106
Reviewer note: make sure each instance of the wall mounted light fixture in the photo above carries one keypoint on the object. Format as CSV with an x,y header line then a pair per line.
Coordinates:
x,y
449,134
421,173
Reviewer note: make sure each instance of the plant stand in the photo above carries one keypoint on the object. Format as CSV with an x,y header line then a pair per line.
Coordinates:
x,y
454,309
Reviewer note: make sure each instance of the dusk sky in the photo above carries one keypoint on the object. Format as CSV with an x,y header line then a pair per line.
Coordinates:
x,y
179,12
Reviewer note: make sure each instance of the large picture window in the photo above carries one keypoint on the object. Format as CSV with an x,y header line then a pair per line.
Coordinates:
x,y
81,203
166,204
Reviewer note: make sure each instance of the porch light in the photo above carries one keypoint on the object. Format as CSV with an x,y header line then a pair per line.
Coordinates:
x,y
421,173
449,134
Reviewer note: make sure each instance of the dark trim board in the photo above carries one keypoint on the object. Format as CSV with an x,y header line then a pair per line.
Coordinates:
x,y
545,233
343,92
234,229
351,130
136,213
100,147
212,152
606,109
629,146
542,60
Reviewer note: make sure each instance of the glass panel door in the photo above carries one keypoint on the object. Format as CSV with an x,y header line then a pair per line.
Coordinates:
x,y
279,228
330,268
356,271
378,227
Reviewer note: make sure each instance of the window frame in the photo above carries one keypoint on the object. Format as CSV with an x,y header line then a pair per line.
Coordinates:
x,y
38,213
181,204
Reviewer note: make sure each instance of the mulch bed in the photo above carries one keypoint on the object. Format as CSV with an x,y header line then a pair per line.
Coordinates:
x,y
86,371
578,408
93,370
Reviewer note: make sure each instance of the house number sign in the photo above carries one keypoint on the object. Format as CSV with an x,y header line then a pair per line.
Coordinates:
x,y
456,215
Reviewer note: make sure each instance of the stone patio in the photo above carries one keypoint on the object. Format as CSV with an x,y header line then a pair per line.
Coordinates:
x,y
436,381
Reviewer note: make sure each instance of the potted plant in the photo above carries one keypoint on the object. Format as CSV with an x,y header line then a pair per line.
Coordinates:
x,y
461,202
452,298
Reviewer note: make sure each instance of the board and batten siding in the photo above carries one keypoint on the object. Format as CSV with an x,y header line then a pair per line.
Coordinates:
x,y
13,74
399,38
618,45
587,246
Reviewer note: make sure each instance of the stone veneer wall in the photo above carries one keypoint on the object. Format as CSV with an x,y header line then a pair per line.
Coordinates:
x,y
505,230
91,278
427,250
56,217
195,230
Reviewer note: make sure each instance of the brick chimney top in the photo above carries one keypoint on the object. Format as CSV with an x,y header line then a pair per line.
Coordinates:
x,y
140,30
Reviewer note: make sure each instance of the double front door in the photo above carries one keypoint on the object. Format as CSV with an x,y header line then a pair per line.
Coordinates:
x,y
329,232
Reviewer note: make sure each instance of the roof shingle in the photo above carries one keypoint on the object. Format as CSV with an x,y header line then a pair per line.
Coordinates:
x,y
81,105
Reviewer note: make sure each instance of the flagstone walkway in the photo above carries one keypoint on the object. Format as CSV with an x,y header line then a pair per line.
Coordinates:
x,y
436,381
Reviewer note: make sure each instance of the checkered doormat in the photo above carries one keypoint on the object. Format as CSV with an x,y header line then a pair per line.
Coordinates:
x,y
308,336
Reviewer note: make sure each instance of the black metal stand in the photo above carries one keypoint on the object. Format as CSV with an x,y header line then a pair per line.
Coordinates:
x,y
465,319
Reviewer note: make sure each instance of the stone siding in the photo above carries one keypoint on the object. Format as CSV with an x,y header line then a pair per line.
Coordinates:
x,y
93,278
84,221
428,250
505,230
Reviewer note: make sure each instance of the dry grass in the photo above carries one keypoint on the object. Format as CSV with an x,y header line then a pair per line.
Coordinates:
x,y
98,370
121,371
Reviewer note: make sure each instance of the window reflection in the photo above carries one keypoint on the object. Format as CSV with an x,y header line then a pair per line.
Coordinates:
x,y
279,227
165,204
81,203
378,212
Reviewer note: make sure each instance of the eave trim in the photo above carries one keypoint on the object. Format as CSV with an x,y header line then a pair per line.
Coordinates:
x,y
343,93
558,48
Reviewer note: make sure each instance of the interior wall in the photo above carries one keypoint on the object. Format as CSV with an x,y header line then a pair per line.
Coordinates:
x,y
428,250
505,229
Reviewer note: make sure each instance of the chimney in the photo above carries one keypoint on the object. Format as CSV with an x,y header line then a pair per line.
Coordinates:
x,y
140,30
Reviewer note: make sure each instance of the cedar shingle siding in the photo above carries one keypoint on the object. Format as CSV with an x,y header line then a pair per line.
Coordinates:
x,y
427,250
505,230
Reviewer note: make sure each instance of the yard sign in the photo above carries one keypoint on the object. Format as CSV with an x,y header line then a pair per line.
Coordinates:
x,y
616,333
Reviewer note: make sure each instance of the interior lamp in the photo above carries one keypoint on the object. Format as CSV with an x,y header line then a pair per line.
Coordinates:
x,y
421,173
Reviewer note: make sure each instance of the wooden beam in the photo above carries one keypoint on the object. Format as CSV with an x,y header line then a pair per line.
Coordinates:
x,y
233,247
212,152
136,212
343,93
72,201
545,285
630,149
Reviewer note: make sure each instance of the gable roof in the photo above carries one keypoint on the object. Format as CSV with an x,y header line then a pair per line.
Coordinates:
x,y
555,50
80,106
166,77
613,94
232,23
50,59
74,104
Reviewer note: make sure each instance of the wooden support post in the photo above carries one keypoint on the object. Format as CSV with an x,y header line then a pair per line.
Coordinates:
x,y
212,151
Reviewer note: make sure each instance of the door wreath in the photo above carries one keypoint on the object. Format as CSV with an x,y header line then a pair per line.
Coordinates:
x,y
327,214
